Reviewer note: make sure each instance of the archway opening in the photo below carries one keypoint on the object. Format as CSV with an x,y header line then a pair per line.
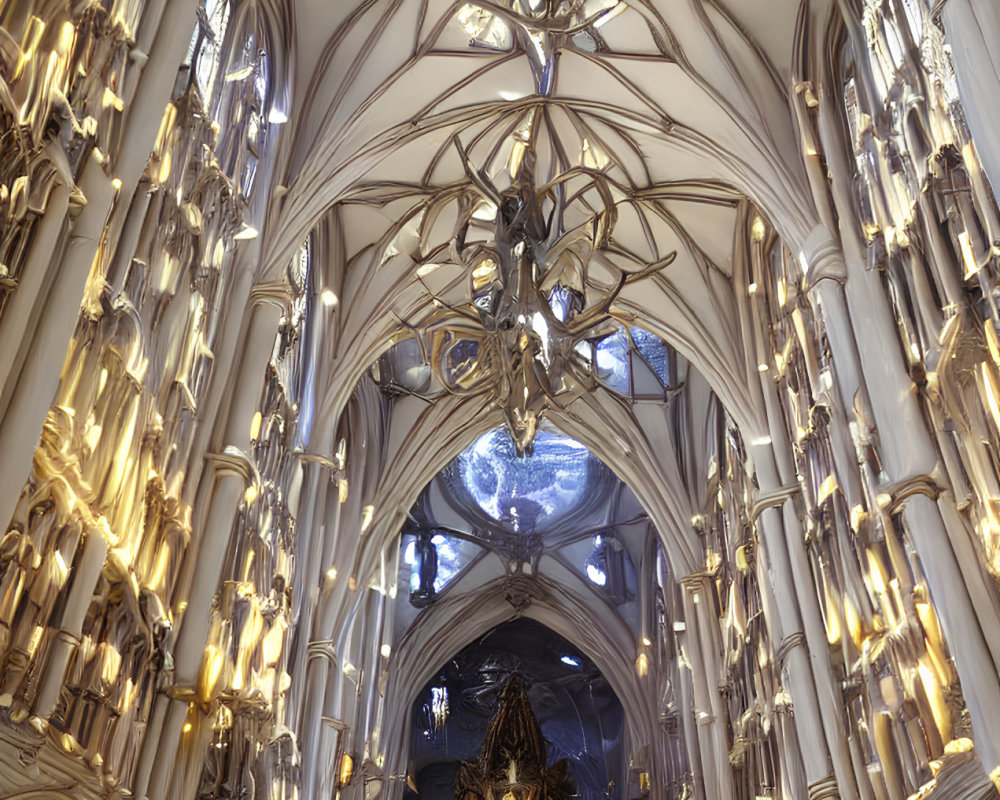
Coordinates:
x,y
581,718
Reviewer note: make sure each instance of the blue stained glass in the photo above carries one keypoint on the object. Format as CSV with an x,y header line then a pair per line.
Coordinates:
x,y
461,358
564,302
611,360
452,555
653,351
596,574
527,493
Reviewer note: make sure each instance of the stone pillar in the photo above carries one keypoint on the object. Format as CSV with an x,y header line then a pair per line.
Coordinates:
x,y
703,652
972,28
230,477
858,311
784,620
85,578
223,486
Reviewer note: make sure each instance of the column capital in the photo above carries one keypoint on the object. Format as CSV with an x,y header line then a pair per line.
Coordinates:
x,y
824,789
277,293
322,648
233,461
696,582
318,458
822,258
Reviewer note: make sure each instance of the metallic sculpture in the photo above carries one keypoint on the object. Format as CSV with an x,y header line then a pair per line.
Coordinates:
x,y
532,306
512,761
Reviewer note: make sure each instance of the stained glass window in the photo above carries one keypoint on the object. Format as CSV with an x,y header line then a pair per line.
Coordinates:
x,y
434,561
530,493
654,352
204,50
612,363
614,359
609,567
403,369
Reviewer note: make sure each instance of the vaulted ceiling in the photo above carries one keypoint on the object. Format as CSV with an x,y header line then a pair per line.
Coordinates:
x,y
656,133
676,115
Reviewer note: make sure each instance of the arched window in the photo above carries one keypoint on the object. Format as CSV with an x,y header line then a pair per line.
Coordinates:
x,y
230,63
204,53
632,361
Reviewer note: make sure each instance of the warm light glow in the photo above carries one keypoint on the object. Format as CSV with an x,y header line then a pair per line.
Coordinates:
x,y
826,488
833,629
876,573
857,516
255,425
853,621
246,233
211,670
991,393
367,513
965,244
346,769
35,640
484,273
936,698
273,642
642,665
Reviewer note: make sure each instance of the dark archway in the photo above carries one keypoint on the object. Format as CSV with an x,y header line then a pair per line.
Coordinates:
x,y
580,716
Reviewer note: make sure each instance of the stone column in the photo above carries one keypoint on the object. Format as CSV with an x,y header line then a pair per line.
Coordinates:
x,y
703,652
972,28
858,312
223,486
230,477
85,578
784,620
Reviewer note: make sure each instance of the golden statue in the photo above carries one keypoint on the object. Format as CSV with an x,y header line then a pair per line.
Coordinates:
x,y
511,763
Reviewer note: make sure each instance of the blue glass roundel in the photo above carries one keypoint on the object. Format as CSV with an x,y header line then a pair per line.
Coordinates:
x,y
529,493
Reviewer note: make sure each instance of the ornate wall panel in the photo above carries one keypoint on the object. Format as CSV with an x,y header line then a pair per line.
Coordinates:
x,y
64,73
93,575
